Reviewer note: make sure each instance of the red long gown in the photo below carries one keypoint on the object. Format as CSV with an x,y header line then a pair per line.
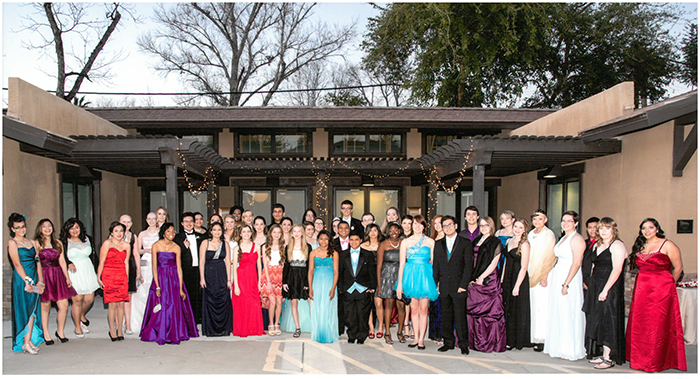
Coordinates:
x,y
654,331
247,312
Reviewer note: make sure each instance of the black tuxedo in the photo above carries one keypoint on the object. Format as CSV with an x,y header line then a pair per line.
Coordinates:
x,y
335,243
357,306
450,275
356,227
190,274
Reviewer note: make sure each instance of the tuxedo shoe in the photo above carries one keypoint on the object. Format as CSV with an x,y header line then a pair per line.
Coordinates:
x,y
351,341
445,348
538,347
360,342
465,350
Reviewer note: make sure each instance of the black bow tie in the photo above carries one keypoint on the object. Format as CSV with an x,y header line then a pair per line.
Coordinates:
x,y
189,233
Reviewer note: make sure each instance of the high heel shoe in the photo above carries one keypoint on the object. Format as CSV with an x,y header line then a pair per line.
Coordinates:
x,y
63,340
28,349
114,339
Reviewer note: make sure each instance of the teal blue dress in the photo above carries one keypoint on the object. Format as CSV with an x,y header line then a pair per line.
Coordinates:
x,y
287,320
418,282
324,311
25,304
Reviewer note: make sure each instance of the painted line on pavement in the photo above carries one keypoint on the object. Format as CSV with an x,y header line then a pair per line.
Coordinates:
x,y
390,350
346,358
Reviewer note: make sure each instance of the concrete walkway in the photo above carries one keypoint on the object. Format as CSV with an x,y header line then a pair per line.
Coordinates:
x,y
96,354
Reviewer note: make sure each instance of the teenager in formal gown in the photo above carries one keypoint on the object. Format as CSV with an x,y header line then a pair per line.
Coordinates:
x,y
485,314
542,259
247,270
416,277
516,287
295,279
260,237
27,285
113,276
134,272
58,286
80,261
565,334
144,243
310,234
388,256
273,265
606,321
162,216
216,283
654,330
323,279
372,238
168,317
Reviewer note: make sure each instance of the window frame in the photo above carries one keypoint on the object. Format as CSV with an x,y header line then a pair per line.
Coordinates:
x,y
237,140
367,133
425,135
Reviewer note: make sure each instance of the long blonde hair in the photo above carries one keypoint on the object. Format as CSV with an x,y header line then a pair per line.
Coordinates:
x,y
271,241
610,223
304,246
523,237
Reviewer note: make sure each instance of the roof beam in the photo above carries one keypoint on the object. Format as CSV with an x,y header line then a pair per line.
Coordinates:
x,y
683,149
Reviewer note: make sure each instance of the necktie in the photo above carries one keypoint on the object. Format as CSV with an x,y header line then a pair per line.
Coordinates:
x,y
449,251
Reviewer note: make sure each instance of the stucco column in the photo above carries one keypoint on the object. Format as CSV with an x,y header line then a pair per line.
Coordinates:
x,y
97,215
478,188
171,193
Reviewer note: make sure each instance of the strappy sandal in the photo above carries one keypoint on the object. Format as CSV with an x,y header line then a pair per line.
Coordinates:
x,y
271,330
606,364
401,337
596,360
387,339
277,330
297,333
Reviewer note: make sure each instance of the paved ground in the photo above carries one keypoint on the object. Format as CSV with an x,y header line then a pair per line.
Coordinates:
x,y
96,354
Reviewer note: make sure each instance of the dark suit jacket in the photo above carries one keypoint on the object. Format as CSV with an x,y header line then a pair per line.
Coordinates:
x,y
365,275
185,256
454,273
335,243
356,227
463,234
587,263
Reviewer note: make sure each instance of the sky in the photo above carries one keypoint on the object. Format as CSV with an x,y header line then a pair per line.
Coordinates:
x,y
134,72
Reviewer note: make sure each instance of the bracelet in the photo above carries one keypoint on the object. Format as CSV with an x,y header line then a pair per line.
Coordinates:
x,y
157,288
40,283
565,285
28,279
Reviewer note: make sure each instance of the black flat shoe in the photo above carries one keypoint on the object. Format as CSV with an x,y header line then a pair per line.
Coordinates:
x,y
86,322
114,339
445,348
49,342
63,340
464,350
413,345
421,347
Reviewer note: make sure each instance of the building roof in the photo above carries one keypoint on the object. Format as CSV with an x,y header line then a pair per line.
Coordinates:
x,y
510,155
682,107
329,117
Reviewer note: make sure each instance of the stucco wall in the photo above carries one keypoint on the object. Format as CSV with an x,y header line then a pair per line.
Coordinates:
x,y
638,183
518,193
31,184
609,104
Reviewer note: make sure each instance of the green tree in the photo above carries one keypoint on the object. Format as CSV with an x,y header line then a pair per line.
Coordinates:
x,y
689,64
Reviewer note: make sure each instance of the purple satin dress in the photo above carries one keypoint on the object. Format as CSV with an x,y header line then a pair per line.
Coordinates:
x,y
55,286
485,315
175,321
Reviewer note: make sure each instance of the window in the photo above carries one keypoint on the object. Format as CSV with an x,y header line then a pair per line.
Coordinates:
x,y
368,144
260,202
562,196
77,202
273,143
375,201
433,142
456,202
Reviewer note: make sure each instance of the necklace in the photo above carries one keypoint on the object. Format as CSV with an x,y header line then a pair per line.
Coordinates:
x,y
24,243
395,247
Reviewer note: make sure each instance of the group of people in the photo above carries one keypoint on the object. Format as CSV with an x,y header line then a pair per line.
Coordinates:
x,y
479,288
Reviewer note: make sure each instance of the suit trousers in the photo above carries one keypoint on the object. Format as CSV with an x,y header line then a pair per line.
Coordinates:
x,y
357,307
454,315
190,278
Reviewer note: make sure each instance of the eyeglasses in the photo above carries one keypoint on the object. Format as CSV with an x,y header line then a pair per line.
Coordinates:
x,y
346,208
20,227
450,225
484,226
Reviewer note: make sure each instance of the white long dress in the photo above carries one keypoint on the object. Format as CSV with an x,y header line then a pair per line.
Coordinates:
x,y
565,335
84,278
140,298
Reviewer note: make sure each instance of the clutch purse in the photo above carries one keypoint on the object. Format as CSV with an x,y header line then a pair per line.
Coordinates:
x,y
156,309
405,300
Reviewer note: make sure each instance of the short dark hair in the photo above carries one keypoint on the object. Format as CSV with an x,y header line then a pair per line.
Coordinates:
x,y
592,220
233,208
277,205
343,222
163,228
471,208
539,211
348,202
15,217
186,214
451,218
287,218
369,214
194,214
355,235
